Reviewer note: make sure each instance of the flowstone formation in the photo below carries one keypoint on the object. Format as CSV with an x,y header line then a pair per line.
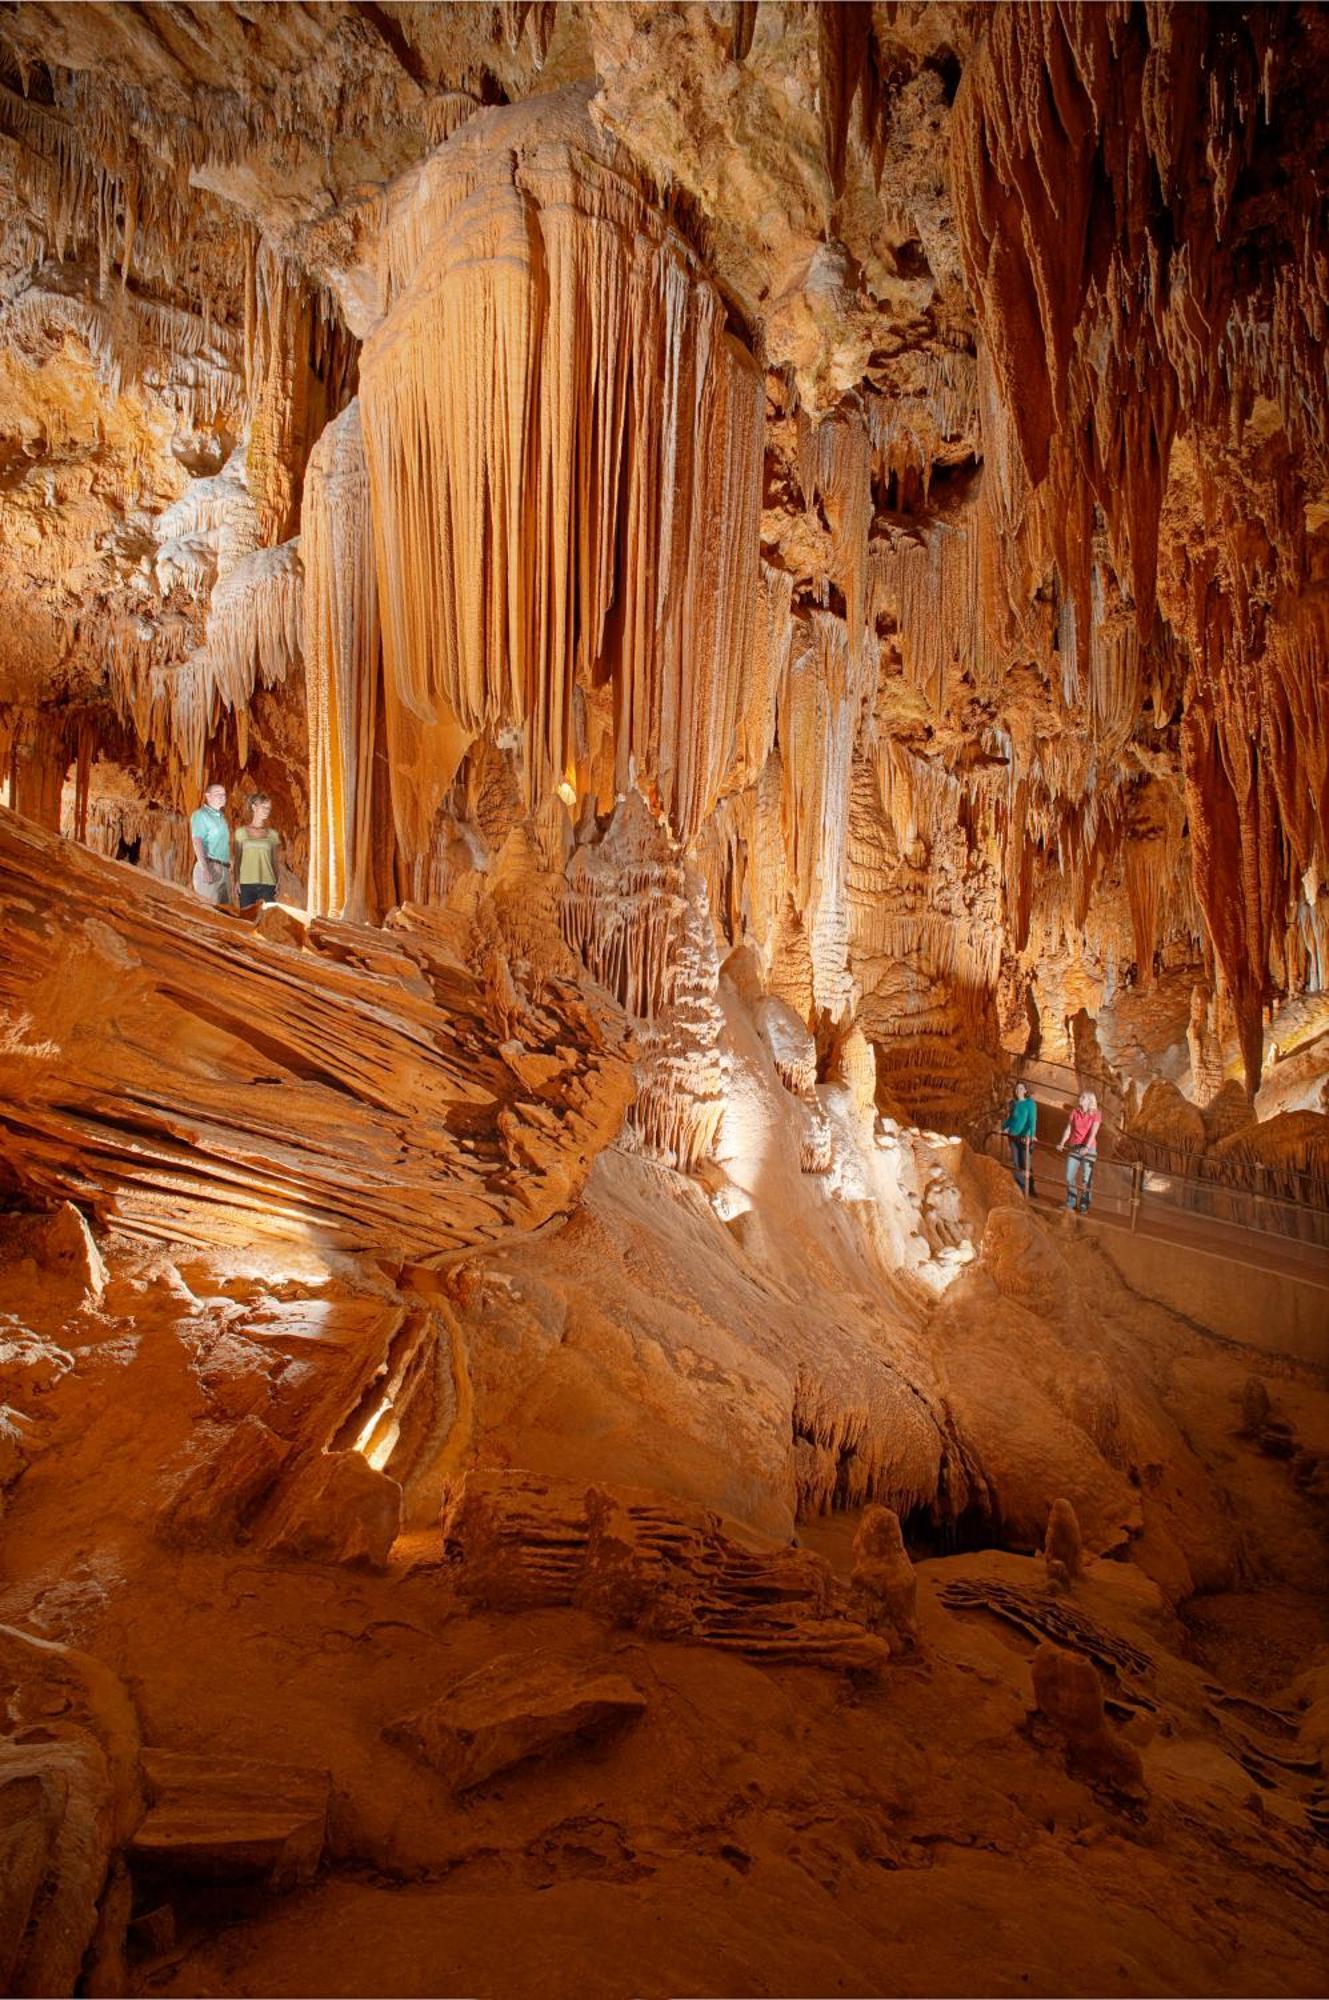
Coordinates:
x,y
767,559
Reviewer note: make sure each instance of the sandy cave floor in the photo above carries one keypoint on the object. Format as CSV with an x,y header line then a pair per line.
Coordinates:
x,y
761,1830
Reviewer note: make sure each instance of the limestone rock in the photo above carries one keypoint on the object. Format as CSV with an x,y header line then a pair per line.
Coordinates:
x,y
1069,1694
789,1045
1025,1264
232,1819
515,1708
56,1831
885,1583
63,1244
30,1365
1061,1546
13,1447
1256,1409
1170,1129
278,926
336,1508
152,1933
68,1800
214,1501
644,1561
1228,1111
359,1081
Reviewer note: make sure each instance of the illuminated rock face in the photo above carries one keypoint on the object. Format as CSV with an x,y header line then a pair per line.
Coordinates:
x,y
768,557
418,1101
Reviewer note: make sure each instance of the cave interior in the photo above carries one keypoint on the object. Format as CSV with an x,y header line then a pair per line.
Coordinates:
x,y
768,565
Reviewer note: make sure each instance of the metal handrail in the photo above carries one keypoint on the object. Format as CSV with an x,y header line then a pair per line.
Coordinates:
x,y
1181,1166
1132,1190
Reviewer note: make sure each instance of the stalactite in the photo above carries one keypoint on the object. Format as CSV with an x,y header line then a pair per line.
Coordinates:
x,y
622,910
1126,386
191,367
252,641
759,704
36,742
910,894
301,374
849,82
558,502
911,433
929,585
837,471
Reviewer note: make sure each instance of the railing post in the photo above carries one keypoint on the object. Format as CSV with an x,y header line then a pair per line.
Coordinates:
x,y
1137,1189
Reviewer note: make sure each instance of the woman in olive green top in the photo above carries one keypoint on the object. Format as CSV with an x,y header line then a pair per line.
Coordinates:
x,y
256,847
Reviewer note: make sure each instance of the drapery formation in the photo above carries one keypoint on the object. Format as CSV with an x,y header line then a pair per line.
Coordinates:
x,y
341,667
564,446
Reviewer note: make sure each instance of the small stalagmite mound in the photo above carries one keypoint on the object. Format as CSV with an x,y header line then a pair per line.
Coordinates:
x,y
884,1581
1069,1694
1062,1556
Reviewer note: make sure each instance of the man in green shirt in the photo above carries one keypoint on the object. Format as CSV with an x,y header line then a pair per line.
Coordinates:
x,y
210,832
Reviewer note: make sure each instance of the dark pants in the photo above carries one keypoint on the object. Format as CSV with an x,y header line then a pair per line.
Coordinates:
x,y
1022,1161
257,892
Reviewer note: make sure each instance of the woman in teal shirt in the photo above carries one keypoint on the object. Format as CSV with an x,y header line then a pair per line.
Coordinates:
x,y
1020,1127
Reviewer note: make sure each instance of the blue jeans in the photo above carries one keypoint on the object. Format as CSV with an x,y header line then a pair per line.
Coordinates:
x,y
1079,1168
1022,1165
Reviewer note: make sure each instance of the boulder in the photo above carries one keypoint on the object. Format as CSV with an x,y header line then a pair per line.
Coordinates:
x,y
215,1500
232,1818
336,1509
1024,1263
517,1707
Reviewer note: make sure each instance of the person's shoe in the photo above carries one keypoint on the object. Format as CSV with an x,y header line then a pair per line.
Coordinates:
x,y
1070,1203
1083,1209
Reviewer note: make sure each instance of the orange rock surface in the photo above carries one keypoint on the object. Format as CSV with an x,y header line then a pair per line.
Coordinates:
x,y
770,562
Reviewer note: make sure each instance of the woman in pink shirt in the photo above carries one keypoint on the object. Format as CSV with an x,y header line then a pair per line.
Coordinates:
x,y
1081,1135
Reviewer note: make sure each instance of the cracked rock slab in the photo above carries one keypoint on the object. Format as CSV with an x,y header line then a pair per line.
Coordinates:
x,y
232,1818
517,1707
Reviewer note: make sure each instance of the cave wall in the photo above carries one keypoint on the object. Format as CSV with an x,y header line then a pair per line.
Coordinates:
x,y
896,450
